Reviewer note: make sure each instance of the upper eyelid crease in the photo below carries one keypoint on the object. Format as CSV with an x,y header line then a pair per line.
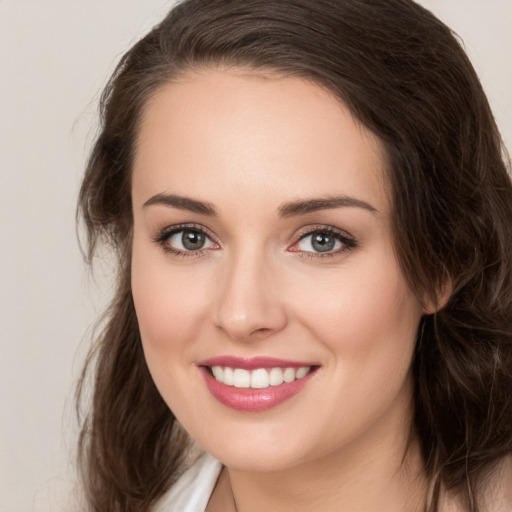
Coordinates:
x,y
167,231
324,229
340,235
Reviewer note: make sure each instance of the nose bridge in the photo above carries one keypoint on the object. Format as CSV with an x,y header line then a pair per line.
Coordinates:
x,y
248,303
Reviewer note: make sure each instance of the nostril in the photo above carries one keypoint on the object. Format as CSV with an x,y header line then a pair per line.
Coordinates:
x,y
246,334
262,331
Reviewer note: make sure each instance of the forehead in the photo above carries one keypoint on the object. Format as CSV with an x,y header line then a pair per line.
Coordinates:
x,y
218,133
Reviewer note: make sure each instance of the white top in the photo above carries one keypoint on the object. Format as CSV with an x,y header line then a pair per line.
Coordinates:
x,y
193,489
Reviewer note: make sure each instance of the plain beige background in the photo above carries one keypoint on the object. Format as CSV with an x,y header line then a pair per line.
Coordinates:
x,y
55,56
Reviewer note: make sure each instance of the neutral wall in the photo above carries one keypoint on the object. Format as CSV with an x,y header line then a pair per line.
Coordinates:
x,y
55,56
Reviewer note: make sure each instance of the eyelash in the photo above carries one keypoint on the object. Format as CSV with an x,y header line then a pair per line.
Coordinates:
x,y
163,237
348,242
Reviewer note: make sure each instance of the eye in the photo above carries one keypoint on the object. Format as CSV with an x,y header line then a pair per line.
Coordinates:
x,y
188,240
323,242
183,239
318,242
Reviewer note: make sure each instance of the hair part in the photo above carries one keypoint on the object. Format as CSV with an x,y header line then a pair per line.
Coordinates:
x,y
405,77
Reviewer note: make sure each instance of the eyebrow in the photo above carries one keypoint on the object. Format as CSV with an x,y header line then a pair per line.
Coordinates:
x,y
183,203
290,209
312,205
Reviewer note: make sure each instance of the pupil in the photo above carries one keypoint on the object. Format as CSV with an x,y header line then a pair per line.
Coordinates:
x,y
322,242
193,240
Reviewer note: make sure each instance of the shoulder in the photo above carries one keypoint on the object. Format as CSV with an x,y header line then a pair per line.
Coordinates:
x,y
496,493
192,490
500,487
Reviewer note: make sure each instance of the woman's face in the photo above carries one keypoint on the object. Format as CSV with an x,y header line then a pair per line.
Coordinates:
x,y
263,241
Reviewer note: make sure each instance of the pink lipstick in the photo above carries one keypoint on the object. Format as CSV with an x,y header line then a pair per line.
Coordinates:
x,y
255,384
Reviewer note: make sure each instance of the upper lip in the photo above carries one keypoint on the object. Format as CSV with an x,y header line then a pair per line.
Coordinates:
x,y
253,363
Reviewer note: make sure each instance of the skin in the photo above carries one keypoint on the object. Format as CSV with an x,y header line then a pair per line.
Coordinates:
x,y
246,144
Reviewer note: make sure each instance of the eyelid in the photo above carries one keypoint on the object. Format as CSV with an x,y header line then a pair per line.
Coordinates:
x,y
349,241
163,234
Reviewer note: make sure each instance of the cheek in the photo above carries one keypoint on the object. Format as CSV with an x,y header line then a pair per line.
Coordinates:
x,y
368,327
368,324
367,300
169,305
169,312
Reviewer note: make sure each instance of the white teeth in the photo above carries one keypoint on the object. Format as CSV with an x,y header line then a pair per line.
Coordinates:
x,y
302,372
241,378
218,372
260,378
276,376
289,375
228,376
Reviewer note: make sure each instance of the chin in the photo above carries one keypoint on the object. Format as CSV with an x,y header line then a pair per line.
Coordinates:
x,y
256,461
257,454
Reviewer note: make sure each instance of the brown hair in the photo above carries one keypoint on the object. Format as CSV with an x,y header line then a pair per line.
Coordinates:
x,y
405,77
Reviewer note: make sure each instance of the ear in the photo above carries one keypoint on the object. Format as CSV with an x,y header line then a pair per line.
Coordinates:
x,y
433,306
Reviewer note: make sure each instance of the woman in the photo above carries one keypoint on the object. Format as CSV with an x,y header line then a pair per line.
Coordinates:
x,y
311,214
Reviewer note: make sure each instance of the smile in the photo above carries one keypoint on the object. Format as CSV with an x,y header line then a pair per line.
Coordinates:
x,y
260,378
256,384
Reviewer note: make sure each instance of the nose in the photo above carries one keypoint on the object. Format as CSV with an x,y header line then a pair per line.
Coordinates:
x,y
249,303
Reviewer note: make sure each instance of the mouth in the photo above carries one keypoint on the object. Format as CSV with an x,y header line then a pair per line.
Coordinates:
x,y
256,384
260,378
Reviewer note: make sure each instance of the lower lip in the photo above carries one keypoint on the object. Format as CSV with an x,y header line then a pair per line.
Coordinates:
x,y
253,400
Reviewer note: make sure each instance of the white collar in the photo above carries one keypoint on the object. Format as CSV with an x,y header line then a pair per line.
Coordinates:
x,y
193,489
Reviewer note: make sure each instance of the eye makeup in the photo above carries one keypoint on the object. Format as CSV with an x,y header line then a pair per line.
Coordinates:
x,y
324,241
193,240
